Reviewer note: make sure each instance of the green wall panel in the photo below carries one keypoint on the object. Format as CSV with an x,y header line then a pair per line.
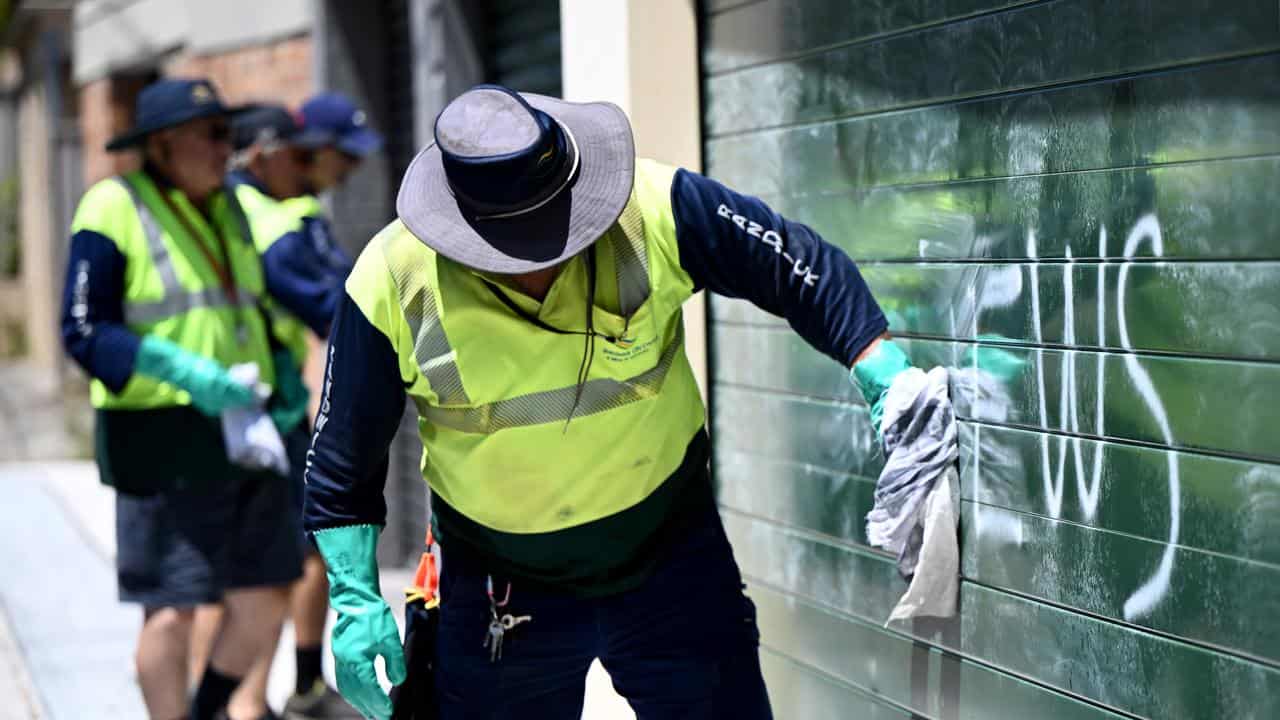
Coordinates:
x,y
1145,398
1210,209
1214,599
1224,506
815,696
1225,309
1117,665
900,670
1068,203
1124,667
773,29
1042,44
1201,113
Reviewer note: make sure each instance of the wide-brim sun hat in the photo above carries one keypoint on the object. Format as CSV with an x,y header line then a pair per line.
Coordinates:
x,y
168,103
518,182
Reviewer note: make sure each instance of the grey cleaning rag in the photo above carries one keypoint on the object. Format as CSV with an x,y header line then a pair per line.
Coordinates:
x,y
915,509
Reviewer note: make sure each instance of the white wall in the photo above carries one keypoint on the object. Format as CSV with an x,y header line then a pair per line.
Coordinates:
x,y
643,56
41,278
113,35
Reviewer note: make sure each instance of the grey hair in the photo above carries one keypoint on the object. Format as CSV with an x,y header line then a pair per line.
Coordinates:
x,y
265,144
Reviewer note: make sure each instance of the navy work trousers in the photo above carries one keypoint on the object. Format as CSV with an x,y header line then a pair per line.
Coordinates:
x,y
682,646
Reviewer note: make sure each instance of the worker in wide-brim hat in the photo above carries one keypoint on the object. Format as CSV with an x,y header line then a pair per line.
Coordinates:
x,y
527,300
161,301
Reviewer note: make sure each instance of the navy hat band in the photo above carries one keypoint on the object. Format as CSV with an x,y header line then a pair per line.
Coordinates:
x,y
167,103
530,180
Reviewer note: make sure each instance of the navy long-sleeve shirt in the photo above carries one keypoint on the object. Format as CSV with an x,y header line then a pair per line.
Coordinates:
x,y
729,243
304,269
93,329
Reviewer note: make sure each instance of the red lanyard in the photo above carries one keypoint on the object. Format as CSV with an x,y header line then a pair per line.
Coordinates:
x,y
223,270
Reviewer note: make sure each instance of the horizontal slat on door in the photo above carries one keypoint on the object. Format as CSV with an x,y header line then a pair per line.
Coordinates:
x,y
1226,309
764,31
800,476
1223,505
1127,668
1209,209
1039,45
1117,665
881,662
1189,593
815,696
714,6
1192,594
1163,400
1212,112
824,501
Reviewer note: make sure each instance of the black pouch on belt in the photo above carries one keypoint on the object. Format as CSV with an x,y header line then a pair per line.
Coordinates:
x,y
415,698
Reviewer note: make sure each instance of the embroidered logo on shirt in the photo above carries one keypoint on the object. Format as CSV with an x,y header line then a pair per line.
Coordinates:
x,y
627,348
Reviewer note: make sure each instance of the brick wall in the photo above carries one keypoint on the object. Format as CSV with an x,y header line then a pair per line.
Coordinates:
x,y
106,108
279,71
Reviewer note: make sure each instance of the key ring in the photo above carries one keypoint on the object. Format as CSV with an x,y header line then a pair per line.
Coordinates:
x,y
509,621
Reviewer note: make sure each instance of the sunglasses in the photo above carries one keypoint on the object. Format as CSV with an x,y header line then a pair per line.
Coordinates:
x,y
218,133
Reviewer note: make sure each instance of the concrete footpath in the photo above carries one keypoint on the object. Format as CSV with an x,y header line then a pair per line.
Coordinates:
x,y
66,645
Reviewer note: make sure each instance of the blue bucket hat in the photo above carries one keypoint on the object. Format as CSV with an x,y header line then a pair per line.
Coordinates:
x,y
346,124
517,182
169,102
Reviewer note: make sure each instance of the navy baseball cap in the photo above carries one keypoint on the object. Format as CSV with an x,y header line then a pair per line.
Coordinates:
x,y
269,122
346,124
169,102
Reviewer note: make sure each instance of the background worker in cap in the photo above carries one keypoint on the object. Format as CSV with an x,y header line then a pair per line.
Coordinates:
x,y
527,300
160,301
275,163
351,139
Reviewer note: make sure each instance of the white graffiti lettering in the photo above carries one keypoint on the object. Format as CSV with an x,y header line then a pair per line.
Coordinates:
x,y
1002,288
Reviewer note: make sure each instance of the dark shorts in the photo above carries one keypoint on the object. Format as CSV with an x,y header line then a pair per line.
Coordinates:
x,y
682,645
189,545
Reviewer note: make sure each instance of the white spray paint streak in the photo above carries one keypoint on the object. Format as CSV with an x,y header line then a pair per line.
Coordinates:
x,y
1067,416
1146,598
1091,493
1052,490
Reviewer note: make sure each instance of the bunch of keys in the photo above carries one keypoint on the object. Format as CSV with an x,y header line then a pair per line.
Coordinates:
x,y
499,625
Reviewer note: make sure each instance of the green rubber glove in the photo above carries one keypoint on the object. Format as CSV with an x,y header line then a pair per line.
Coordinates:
x,y
289,407
211,389
875,373
365,627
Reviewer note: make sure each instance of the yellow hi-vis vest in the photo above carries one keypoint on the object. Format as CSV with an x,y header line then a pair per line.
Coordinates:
x,y
170,288
269,219
494,391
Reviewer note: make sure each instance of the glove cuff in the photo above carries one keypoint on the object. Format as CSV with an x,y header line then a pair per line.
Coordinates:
x,y
350,554
155,357
875,373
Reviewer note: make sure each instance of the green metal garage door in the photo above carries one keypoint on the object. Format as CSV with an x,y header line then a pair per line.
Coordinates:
x,y
1072,204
